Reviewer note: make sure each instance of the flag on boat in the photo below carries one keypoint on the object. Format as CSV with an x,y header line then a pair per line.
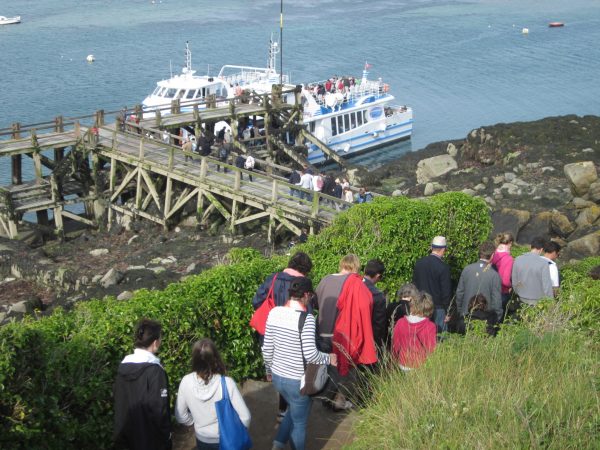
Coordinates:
x,y
367,66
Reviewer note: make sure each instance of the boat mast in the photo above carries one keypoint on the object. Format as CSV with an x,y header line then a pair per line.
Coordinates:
x,y
281,43
188,57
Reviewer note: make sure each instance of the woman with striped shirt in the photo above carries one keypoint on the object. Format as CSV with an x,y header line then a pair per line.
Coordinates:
x,y
284,350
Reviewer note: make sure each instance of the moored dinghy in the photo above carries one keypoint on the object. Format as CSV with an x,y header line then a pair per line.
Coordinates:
x,y
9,20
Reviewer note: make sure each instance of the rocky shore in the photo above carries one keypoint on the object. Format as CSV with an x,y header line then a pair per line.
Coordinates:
x,y
538,178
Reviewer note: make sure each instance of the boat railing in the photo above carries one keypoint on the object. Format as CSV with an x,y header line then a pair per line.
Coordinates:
x,y
351,94
246,75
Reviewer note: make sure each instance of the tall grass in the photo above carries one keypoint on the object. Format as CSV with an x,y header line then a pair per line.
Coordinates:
x,y
519,390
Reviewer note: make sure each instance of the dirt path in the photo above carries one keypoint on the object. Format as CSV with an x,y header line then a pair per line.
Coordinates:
x,y
326,429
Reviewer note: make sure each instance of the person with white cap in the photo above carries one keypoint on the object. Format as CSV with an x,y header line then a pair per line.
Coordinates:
x,y
432,275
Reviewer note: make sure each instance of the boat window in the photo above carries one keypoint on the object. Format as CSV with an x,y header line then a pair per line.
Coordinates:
x,y
340,121
203,92
333,126
365,116
311,127
191,93
156,90
346,122
359,118
353,120
180,93
161,92
170,93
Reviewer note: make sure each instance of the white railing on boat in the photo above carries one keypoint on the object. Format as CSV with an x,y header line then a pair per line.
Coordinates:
x,y
353,93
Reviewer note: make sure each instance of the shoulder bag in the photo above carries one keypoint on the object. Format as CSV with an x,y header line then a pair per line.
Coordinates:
x,y
259,318
233,435
315,376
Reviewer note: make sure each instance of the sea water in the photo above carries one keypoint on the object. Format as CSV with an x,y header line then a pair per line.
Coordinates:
x,y
459,64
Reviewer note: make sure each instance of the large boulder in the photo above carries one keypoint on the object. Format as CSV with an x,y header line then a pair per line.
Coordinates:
x,y
581,175
430,168
539,225
509,220
561,225
588,216
588,245
594,192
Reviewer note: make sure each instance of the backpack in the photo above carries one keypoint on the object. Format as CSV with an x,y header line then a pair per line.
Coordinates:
x,y
319,182
222,154
249,164
294,177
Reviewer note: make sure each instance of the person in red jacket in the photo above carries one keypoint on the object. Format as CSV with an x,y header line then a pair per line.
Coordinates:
x,y
414,335
345,326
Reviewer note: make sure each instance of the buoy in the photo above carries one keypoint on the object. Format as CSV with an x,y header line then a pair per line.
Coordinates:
x,y
525,31
90,58
556,24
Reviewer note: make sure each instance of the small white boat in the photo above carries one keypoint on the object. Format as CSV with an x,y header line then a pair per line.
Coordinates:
x,y
9,20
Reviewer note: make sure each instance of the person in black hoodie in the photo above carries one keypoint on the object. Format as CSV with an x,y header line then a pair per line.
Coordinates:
x,y
141,395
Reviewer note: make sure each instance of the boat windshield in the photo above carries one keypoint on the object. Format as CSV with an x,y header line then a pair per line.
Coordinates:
x,y
191,93
170,93
156,90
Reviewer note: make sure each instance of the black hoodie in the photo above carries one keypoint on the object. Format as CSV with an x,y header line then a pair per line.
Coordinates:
x,y
142,411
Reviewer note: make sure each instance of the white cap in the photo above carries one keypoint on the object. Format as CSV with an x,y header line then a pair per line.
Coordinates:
x,y
438,242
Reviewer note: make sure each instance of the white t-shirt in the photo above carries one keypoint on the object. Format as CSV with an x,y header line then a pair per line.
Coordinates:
x,y
553,272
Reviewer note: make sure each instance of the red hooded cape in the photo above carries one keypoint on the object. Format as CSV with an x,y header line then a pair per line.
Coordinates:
x,y
353,341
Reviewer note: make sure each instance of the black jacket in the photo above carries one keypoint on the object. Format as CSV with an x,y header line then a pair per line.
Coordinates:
x,y
432,275
280,289
142,411
378,316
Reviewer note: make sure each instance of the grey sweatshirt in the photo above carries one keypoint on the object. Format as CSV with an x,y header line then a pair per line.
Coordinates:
x,y
196,405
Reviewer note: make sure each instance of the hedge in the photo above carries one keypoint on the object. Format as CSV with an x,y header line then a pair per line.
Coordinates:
x,y
56,373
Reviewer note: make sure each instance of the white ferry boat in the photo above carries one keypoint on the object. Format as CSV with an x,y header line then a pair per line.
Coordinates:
x,y
353,116
190,88
9,20
350,115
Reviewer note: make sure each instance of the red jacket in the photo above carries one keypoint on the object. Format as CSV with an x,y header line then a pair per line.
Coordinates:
x,y
353,341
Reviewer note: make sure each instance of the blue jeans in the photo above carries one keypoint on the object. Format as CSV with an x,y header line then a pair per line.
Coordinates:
x,y
293,425
205,446
439,314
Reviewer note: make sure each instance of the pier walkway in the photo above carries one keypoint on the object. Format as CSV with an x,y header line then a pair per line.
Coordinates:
x,y
124,168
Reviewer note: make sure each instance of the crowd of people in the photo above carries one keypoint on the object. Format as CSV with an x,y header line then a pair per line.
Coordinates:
x,y
338,187
355,324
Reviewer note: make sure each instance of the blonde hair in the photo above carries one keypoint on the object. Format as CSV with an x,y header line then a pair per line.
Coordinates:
x,y
422,305
350,263
504,238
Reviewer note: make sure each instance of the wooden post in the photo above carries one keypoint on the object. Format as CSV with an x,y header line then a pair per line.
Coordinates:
x,y
168,196
111,188
139,113
199,206
234,211
138,191
175,106
59,127
58,220
158,118
16,161
171,157
99,118
203,168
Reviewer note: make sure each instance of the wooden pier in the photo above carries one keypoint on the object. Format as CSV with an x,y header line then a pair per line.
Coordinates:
x,y
126,167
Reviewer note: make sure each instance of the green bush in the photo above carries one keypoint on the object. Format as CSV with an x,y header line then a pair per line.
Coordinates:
x,y
56,373
398,231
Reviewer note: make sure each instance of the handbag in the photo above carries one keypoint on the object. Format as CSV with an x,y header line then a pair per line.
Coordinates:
x,y
315,376
259,317
233,435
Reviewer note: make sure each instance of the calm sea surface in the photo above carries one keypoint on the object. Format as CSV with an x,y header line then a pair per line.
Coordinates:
x,y
459,64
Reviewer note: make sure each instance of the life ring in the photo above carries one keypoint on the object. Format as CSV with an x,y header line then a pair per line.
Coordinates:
x,y
386,87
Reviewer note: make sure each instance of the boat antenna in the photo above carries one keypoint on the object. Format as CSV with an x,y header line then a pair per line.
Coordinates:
x,y
281,43
272,63
171,67
188,57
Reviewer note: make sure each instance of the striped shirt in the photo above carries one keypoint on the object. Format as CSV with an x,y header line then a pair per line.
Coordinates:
x,y
281,349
